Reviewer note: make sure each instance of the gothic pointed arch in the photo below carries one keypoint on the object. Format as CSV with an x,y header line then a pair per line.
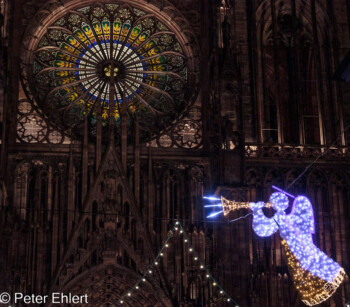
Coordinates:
x,y
105,284
114,234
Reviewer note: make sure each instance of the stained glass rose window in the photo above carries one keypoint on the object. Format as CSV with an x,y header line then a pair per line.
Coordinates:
x,y
99,58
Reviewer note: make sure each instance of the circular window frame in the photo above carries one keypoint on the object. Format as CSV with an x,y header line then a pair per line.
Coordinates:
x,y
161,10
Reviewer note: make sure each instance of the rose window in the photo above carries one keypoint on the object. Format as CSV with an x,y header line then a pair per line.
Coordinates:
x,y
91,62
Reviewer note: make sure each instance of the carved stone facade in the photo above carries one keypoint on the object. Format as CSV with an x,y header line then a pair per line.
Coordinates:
x,y
86,213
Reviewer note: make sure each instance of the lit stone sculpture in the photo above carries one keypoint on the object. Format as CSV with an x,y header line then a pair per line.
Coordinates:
x,y
315,275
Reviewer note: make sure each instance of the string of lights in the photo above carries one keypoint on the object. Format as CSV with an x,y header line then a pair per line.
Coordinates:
x,y
158,259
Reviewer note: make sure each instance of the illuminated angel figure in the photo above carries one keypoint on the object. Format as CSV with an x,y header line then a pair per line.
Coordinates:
x,y
315,275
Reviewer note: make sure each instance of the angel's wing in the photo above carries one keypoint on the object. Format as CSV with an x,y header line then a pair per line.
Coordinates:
x,y
302,215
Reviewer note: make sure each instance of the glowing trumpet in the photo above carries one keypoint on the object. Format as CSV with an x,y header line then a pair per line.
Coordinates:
x,y
231,205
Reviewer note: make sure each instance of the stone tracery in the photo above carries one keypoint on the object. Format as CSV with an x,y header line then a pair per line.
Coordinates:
x,y
171,173
72,59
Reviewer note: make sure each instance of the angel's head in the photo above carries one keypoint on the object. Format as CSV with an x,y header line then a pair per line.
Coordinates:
x,y
279,200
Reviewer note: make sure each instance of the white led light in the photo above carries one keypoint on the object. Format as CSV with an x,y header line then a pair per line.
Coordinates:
x,y
208,275
150,272
221,292
156,263
191,249
214,214
136,287
129,294
303,256
143,279
211,198
161,254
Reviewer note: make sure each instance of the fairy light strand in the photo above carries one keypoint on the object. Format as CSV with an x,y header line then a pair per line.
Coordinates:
x,y
195,256
202,265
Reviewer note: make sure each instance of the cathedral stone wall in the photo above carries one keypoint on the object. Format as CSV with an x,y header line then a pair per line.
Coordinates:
x,y
87,212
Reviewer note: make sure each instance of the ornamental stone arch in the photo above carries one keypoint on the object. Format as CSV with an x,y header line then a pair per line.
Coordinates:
x,y
255,182
254,177
317,178
295,183
317,183
339,178
274,176
301,29
303,14
105,285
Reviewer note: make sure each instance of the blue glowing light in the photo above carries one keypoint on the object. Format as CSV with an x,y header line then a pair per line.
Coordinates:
x,y
211,198
284,192
215,205
214,214
296,229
